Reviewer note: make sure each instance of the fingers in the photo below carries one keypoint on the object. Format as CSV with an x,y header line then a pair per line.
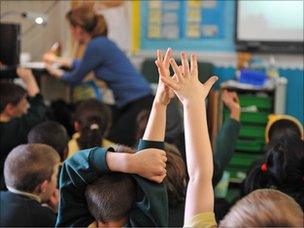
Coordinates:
x,y
185,64
168,55
235,97
194,70
159,55
170,82
208,85
158,178
160,67
176,70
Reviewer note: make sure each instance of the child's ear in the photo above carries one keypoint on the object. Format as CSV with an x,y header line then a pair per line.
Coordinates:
x,y
76,126
65,153
43,187
9,110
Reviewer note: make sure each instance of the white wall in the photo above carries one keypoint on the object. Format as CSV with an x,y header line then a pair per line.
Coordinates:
x,y
40,38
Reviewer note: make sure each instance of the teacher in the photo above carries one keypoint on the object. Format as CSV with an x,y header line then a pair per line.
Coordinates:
x,y
131,91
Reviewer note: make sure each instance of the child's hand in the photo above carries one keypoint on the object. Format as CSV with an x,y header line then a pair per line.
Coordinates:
x,y
187,87
163,93
231,100
25,74
151,164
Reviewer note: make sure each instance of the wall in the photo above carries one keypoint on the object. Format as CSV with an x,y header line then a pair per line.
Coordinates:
x,y
290,66
40,38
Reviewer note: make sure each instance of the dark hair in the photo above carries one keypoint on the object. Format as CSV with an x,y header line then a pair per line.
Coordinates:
x,y
141,123
50,133
94,119
283,169
111,197
29,165
85,17
176,175
282,128
10,94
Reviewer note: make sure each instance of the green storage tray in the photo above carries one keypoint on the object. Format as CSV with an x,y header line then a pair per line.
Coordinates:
x,y
250,117
255,146
242,160
259,102
252,131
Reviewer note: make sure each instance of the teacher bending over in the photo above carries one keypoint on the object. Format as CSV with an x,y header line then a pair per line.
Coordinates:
x,y
131,91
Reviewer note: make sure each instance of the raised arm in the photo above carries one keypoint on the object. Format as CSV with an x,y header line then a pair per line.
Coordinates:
x,y
192,94
29,80
155,130
227,136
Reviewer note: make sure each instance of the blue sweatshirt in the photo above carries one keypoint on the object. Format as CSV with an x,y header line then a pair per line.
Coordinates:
x,y
111,65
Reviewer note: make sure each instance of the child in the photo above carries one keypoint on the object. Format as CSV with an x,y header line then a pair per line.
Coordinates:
x,y
192,94
53,134
92,120
265,207
30,173
18,114
86,167
283,125
200,196
282,168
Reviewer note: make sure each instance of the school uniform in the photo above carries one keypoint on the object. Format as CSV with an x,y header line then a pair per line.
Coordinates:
x,y
85,167
74,147
23,209
14,132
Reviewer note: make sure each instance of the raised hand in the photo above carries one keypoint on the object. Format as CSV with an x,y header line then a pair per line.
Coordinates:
x,y
29,80
231,100
186,84
163,93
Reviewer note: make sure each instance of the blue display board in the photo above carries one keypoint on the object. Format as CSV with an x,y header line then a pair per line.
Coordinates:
x,y
192,25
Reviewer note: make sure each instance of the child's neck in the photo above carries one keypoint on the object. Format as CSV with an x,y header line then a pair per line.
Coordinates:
x,y
4,117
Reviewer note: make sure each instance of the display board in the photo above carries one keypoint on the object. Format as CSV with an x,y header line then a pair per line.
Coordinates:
x,y
192,25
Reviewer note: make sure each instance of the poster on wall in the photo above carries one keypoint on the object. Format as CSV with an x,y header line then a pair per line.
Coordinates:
x,y
190,24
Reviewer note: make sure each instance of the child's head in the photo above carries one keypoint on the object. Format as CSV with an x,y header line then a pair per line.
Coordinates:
x,y
92,119
111,198
32,168
50,133
13,102
176,175
282,168
264,207
283,125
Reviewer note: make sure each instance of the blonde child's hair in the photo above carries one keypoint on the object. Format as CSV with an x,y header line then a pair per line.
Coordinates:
x,y
264,207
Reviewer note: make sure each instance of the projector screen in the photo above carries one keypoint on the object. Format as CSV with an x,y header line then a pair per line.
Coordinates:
x,y
270,21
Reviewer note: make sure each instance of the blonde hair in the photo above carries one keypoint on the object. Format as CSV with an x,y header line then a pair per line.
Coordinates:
x,y
85,17
264,207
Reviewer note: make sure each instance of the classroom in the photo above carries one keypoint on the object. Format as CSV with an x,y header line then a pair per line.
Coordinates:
x,y
151,113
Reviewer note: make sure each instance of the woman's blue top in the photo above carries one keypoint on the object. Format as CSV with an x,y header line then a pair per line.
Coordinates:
x,y
111,65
